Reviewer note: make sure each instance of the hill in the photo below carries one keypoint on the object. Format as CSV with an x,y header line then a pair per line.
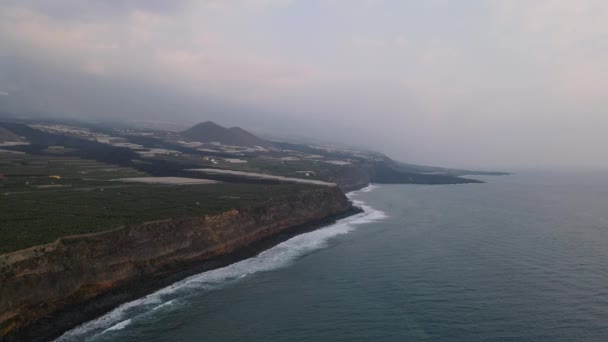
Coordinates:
x,y
207,132
6,135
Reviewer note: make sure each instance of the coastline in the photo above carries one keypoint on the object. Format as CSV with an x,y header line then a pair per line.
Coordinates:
x,y
246,264
148,286
71,316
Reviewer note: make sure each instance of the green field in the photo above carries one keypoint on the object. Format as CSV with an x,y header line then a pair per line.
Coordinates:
x,y
319,170
27,173
88,201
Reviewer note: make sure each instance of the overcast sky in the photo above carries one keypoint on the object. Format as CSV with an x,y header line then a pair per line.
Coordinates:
x,y
493,84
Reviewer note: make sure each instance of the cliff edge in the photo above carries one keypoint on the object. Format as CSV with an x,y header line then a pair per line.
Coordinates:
x,y
47,289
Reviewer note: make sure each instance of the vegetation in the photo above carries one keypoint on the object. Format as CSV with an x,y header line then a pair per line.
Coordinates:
x,y
62,185
31,173
40,217
45,197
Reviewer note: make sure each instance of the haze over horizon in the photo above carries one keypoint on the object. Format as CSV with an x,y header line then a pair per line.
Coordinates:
x,y
472,84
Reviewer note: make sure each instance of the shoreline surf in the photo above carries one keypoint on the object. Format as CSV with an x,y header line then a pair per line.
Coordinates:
x,y
271,258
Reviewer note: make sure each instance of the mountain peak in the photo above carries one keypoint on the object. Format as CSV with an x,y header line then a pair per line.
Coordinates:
x,y
209,131
209,124
6,135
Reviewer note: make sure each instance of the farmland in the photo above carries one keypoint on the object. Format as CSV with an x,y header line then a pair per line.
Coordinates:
x,y
58,179
45,197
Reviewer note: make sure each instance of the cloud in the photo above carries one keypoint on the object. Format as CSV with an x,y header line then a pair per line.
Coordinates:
x,y
82,10
425,80
182,52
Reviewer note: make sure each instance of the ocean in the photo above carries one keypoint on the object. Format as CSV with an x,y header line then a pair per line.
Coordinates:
x,y
519,258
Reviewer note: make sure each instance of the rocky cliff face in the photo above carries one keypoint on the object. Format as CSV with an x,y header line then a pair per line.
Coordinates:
x,y
351,178
387,171
49,288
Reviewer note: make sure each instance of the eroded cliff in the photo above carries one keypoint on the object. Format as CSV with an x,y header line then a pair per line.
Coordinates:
x,y
46,289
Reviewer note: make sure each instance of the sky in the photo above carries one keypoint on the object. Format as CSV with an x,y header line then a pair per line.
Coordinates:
x,y
490,84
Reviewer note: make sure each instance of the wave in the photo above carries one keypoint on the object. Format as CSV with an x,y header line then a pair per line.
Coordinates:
x,y
119,326
368,188
279,256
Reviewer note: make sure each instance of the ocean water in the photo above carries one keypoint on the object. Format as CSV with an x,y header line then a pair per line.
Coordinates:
x,y
520,258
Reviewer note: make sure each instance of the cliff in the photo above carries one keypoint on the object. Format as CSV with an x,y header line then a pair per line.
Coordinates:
x,y
47,289
354,177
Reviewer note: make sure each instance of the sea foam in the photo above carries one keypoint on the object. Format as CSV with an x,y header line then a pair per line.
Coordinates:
x,y
279,256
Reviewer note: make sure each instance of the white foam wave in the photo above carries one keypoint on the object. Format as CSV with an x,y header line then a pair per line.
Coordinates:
x,y
274,258
165,305
368,188
119,326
